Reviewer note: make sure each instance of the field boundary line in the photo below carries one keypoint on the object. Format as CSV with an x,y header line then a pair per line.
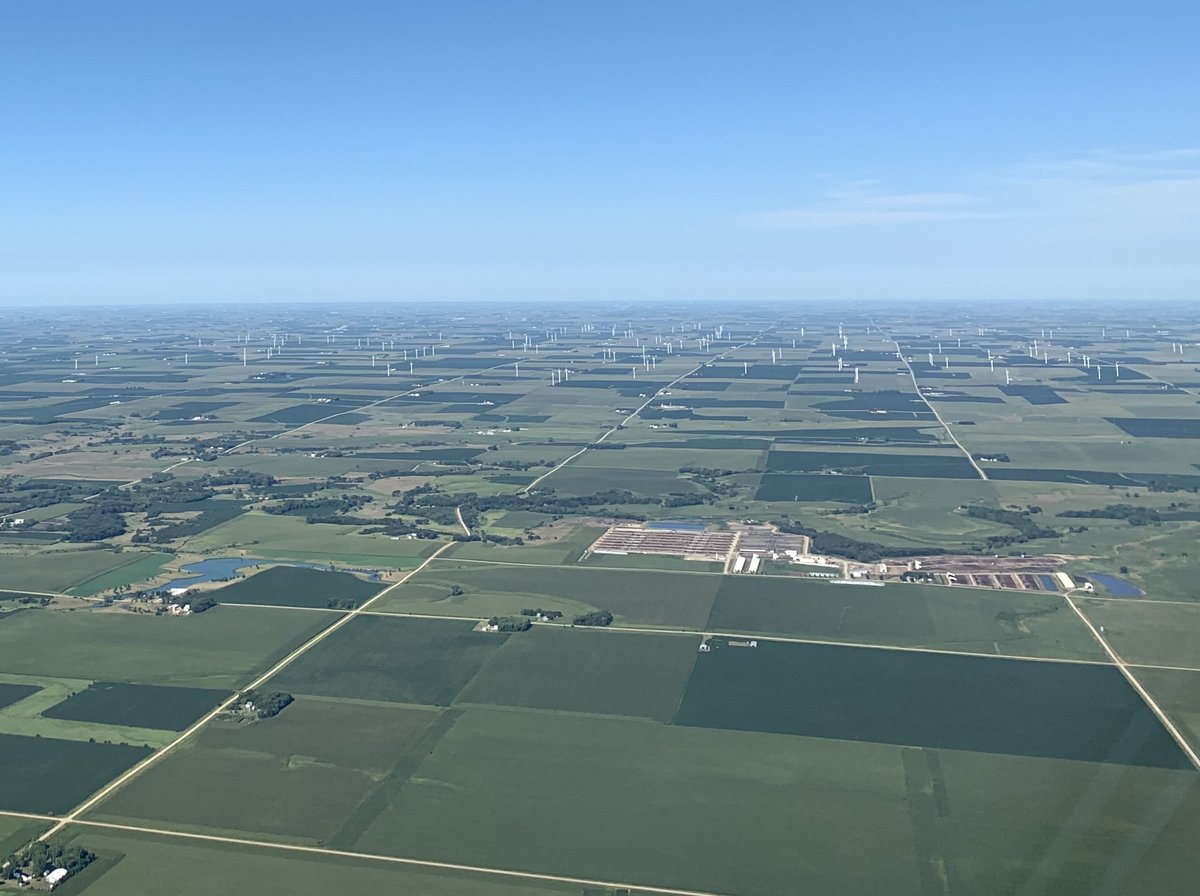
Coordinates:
x,y
132,772
617,426
396,860
1137,686
917,386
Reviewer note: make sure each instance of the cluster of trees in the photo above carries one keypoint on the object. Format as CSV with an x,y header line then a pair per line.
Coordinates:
x,y
39,858
200,604
596,617
318,510
510,623
1135,516
268,705
545,614
1021,520
999,457
8,446
342,603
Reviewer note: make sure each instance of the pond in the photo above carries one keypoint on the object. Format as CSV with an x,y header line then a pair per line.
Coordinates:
x,y
219,568
1115,586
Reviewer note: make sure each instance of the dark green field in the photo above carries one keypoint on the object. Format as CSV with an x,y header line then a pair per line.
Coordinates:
x,y
397,660
944,466
1052,710
51,776
609,673
1158,427
297,586
814,487
137,705
11,693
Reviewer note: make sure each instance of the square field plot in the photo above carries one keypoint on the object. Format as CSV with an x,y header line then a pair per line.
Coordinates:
x,y
1053,710
397,660
611,673
46,775
137,705
299,775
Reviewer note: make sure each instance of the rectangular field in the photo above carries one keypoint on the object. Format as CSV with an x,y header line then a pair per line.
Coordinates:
x,y
137,705
297,586
608,673
814,487
49,776
219,649
424,661
1051,710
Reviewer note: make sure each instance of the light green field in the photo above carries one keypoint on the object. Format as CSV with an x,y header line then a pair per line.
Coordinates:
x,y
139,569
218,649
298,776
291,538
679,600
59,569
145,863
25,716
1148,632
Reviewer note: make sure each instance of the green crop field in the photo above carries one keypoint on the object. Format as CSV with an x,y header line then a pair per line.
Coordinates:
x,y
674,599
45,775
1146,632
185,868
814,487
139,569
1052,710
57,570
299,776
217,649
397,660
298,586
910,615
577,670
137,705
11,693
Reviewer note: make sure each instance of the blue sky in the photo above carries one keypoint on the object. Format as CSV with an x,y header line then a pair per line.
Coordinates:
x,y
275,151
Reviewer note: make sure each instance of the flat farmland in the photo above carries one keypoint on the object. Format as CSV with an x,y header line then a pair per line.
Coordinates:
x,y
634,597
16,832
907,615
397,660
217,649
154,864
300,775
11,693
536,791
1049,710
814,487
49,776
137,705
56,571
140,568
1147,632
298,586
607,673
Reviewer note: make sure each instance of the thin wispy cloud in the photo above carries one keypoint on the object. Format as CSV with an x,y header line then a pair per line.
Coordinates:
x,y
858,208
1102,190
